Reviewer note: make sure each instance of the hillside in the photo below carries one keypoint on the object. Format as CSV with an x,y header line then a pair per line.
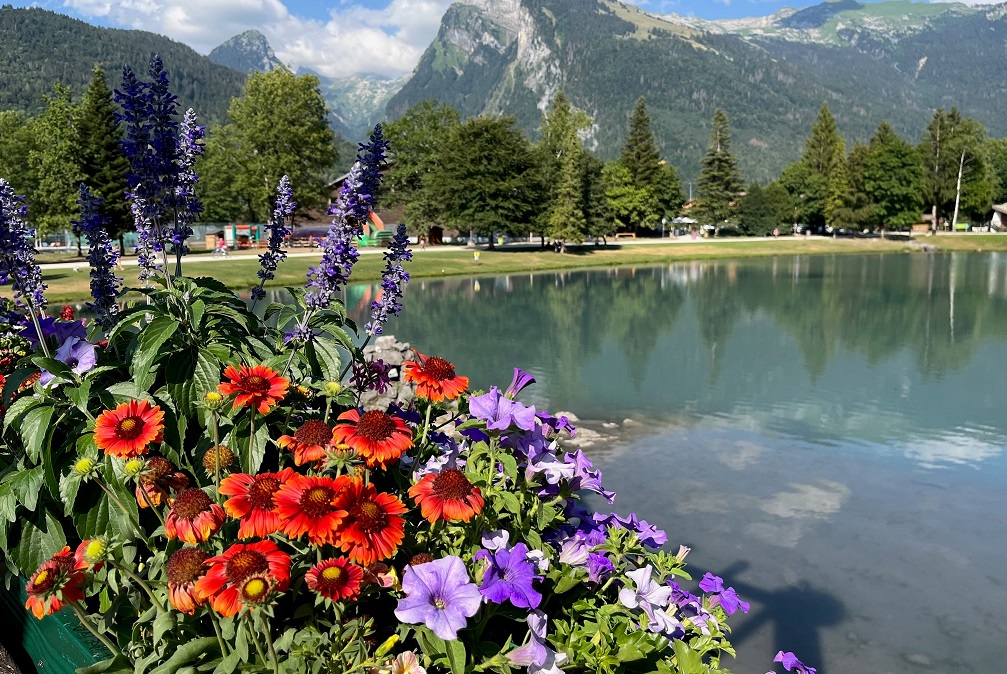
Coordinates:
x,y
39,47
247,52
894,61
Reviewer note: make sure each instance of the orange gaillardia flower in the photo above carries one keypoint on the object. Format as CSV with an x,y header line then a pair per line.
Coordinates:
x,y
311,505
435,378
128,429
447,495
252,502
373,527
159,476
257,386
184,568
335,579
227,583
378,437
193,517
56,583
308,442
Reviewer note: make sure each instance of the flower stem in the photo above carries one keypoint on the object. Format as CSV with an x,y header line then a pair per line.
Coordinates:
x,y
141,582
86,622
38,329
216,456
426,426
251,437
146,499
216,628
125,511
269,643
255,639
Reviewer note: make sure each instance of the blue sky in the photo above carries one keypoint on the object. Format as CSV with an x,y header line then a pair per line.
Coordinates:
x,y
337,38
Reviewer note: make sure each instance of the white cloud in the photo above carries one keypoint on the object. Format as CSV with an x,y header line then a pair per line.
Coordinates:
x,y
353,40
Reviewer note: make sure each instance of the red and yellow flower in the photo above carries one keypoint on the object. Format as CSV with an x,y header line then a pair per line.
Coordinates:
x,y
435,378
127,430
227,583
311,505
193,517
57,582
258,386
309,442
373,527
335,579
378,437
447,495
252,501
158,478
184,569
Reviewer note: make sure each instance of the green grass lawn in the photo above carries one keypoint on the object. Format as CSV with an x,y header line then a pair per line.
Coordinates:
x,y
67,285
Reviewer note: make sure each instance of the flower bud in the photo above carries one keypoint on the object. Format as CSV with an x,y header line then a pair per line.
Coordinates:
x,y
213,400
133,467
85,466
95,551
333,388
221,454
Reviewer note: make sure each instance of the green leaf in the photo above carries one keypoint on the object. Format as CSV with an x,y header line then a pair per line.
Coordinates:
x,y
26,485
34,429
15,379
117,665
164,622
79,395
187,653
568,581
198,308
41,538
56,368
20,406
228,664
8,503
69,485
150,340
456,656
324,359
207,374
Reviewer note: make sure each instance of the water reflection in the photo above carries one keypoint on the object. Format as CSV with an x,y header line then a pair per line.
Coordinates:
x,y
889,351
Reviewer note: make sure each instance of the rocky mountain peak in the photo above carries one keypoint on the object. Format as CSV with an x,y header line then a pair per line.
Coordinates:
x,y
246,52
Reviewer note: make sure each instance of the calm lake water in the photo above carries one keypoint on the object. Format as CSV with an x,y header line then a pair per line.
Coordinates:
x,y
826,433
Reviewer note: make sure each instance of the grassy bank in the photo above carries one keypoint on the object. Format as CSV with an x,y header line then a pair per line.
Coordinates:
x,y
67,285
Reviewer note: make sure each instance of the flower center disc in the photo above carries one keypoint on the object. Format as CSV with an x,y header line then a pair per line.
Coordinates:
x,y
255,383
186,565
255,591
260,492
244,564
375,426
314,433
452,484
370,516
333,574
439,369
317,501
157,468
44,580
129,428
191,503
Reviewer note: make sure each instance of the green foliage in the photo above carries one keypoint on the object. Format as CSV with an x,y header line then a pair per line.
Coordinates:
x,y
996,150
488,179
893,179
102,164
756,215
53,160
823,150
807,189
640,154
628,205
560,154
719,179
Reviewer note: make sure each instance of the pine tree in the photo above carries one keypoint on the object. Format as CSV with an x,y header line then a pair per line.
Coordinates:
x,y
719,178
823,149
102,164
566,217
560,152
640,154
836,212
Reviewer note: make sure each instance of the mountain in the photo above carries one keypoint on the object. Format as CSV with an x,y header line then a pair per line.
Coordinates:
x,y
358,103
247,52
870,62
38,47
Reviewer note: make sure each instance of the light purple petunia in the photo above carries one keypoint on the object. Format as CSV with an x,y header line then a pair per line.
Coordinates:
x,y
648,593
499,413
598,567
727,598
440,595
78,353
536,655
649,534
791,663
509,577
518,383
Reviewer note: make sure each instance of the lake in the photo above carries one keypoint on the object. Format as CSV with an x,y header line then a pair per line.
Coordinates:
x,y
826,433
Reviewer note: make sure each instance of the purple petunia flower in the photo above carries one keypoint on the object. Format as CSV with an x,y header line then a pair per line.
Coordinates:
x,y
393,282
536,655
78,353
499,413
791,663
53,328
440,595
598,567
649,534
17,251
518,383
649,594
105,285
727,598
279,230
584,478
509,577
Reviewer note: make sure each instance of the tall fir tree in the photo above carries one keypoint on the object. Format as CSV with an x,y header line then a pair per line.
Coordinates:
x,y
560,151
640,154
566,217
719,178
823,150
102,164
836,212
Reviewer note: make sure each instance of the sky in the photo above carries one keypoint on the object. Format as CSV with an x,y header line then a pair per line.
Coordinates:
x,y
336,38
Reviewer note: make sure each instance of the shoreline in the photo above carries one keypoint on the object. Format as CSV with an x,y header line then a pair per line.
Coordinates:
x,y
69,281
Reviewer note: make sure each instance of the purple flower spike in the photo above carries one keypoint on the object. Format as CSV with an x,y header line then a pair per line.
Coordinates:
x,y
536,655
509,577
791,663
393,282
105,286
439,595
17,251
520,381
279,229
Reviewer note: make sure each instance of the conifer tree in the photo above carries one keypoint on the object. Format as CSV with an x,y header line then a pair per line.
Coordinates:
x,y
836,213
102,164
719,178
823,150
560,152
566,217
640,154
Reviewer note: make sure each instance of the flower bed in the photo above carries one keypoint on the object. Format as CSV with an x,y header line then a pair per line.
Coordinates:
x,y
196,480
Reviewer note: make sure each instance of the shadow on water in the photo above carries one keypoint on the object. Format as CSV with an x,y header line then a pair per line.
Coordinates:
x,y
797,614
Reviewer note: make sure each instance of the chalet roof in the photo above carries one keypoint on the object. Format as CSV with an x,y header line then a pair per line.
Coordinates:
x,y
1000,208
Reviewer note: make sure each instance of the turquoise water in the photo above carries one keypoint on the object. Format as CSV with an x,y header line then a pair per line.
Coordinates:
x,y
827,433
